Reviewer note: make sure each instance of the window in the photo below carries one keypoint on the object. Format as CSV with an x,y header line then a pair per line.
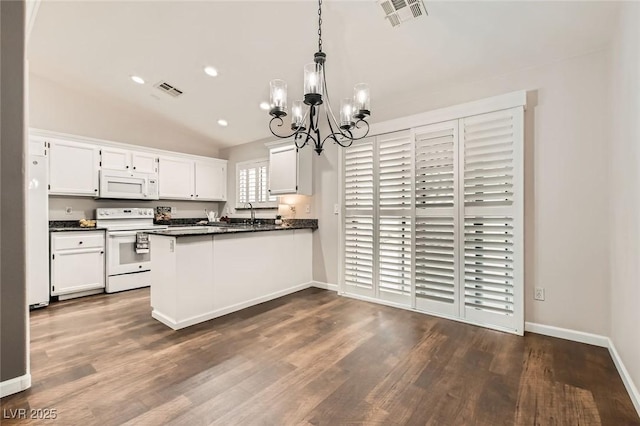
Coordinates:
x,y
252,183
433,219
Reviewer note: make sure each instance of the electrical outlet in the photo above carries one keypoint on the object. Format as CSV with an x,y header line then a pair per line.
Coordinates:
x,y
174,210
68,210
307,208
539,293
336,209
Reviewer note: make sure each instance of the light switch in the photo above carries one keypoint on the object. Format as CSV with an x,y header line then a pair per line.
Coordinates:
x,y
336,209
307,208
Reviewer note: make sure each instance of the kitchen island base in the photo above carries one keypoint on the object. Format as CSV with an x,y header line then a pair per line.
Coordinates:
x,y
196,278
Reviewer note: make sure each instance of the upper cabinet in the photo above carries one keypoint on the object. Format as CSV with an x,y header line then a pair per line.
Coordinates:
x,y
126,160
73,168
289,169
186,179
211,180
176,178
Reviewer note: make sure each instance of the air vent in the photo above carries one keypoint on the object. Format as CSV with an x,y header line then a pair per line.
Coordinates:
x,y
400,11
168,89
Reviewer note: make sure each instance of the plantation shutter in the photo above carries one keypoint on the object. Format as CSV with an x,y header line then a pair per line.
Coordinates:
x,y
395,195
433,219
436,235
358,231
252,184
493,230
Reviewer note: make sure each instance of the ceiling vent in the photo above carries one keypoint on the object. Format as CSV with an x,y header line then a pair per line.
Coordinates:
x,y
400,11
168,89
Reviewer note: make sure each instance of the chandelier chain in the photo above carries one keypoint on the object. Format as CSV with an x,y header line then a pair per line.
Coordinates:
x,y
319,25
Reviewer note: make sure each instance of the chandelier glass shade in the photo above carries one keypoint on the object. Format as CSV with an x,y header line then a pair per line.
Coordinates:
x,y
305,113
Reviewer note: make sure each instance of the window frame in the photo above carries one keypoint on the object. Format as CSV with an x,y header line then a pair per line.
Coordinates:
x,y
272,201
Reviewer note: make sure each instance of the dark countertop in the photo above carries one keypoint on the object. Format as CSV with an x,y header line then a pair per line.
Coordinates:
x,y
218,228
75,228
70,225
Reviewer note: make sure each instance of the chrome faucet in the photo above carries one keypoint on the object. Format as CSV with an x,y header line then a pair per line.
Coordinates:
x,y
253,214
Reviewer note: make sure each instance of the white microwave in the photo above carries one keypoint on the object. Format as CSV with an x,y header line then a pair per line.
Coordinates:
x,y
121,184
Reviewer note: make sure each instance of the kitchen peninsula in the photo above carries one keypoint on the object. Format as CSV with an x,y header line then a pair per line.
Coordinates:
x,y
200,273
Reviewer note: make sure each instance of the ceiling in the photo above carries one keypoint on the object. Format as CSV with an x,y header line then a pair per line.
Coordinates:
x,y
97,45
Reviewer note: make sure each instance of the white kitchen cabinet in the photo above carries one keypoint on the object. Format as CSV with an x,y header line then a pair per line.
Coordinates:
x,y
289,169
199,277
73,168
211,180
176,178
126,160
144,162
115,159
186,179
77,263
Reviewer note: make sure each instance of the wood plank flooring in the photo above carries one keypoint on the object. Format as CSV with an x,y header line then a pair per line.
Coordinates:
x,y
308,358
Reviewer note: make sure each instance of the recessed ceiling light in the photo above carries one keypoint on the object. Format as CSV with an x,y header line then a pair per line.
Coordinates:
x,y
265,106
137,79
223,123
211,71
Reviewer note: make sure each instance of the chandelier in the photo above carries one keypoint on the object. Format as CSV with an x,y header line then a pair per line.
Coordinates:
x,y
305,114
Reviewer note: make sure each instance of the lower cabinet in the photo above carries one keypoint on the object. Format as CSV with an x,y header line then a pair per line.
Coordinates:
x,y
77,263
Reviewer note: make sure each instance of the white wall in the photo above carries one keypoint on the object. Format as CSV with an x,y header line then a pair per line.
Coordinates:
x,y
68,110
625,191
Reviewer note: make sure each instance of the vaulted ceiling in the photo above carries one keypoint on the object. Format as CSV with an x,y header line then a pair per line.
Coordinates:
x,y
97,45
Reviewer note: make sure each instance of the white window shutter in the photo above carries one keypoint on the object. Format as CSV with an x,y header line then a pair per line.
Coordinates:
x,y
433,219
493,218
394,218
436,202
436,161
252,184
359,252
358,231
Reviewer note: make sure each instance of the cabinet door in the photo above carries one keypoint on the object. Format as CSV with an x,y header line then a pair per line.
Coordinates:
x,y
176,178
283,170
77,270
73,168
115,159
144,162
211,181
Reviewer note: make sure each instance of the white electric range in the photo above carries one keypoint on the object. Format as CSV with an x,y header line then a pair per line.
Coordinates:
x,y
127,267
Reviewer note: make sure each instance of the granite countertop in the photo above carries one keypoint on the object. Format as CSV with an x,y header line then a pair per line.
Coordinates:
x,y
223,228
70,225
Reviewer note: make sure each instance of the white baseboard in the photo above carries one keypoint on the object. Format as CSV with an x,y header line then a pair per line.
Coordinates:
x,y
326,286
596,340
15,385
567,334
182,323
626,378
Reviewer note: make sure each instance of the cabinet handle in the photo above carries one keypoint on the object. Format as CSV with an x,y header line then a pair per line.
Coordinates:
x,y
192,195
127,167
80,242
196,195
134,167
95,190
101,252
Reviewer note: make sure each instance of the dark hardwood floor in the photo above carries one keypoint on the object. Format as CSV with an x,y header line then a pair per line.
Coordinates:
x,y
308,358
